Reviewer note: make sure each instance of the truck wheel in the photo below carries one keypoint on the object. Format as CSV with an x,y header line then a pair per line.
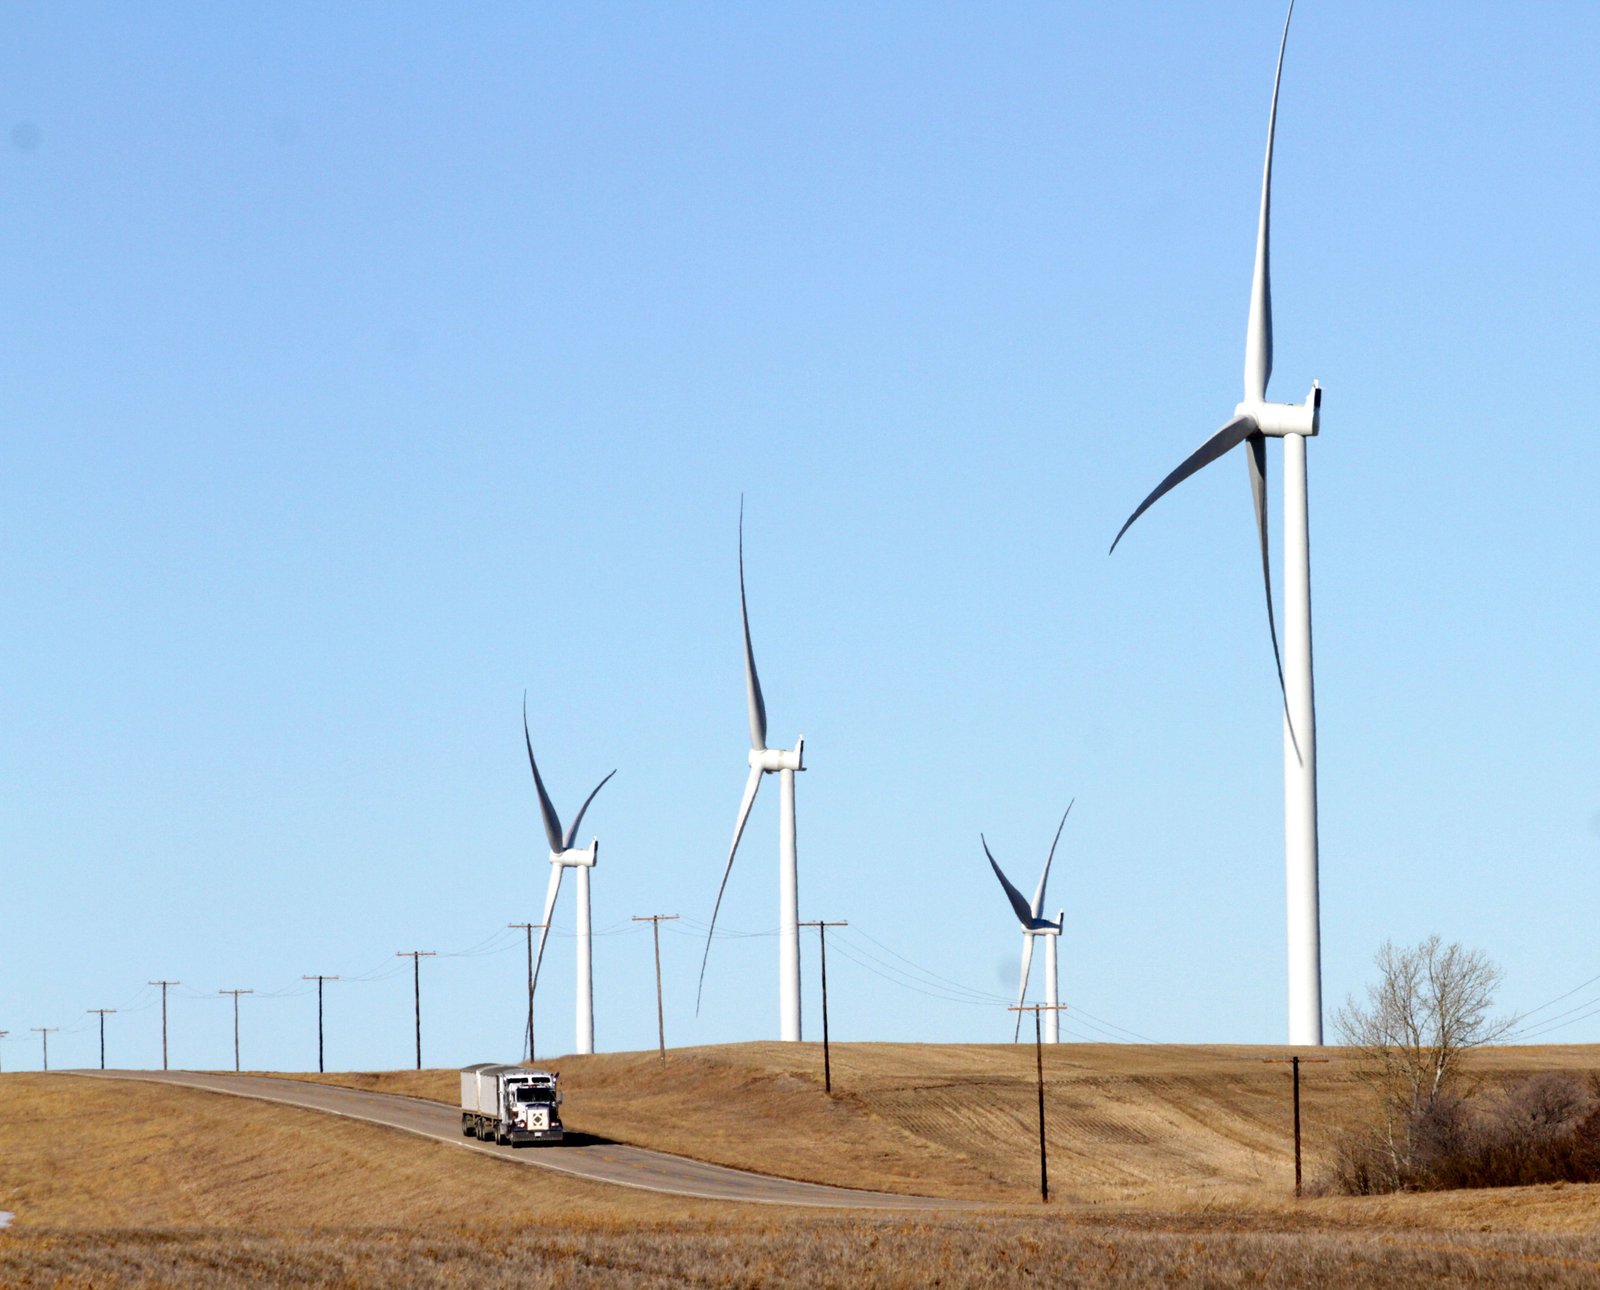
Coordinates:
x,y
466,1127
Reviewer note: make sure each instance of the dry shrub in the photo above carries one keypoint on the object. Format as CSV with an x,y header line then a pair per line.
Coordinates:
x,y
1541,1129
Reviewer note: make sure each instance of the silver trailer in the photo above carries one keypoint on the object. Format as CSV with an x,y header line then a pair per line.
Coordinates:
x,y
510,1104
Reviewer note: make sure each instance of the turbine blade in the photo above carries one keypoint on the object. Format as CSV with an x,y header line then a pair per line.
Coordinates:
x,y
1258,331
549,908
577,820
1038,896
752,682
552,822
1257,460
750,787
1018,902
1230,436
1022,985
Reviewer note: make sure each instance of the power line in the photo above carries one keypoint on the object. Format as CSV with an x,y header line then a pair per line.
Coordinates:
x,y
1581,986
1554,1023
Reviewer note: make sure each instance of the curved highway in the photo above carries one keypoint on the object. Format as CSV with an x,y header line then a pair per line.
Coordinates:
x,y
608,1162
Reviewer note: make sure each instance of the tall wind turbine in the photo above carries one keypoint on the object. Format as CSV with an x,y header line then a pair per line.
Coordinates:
x,y
784,763
1034,924
1254,421
563,856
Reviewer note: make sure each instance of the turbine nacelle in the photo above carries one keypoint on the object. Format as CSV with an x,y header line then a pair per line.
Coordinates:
x,y
768,760
577,857
1279,419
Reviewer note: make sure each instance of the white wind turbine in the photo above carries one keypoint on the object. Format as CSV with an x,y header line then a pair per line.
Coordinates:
x,y
784,763
1034,924
1254,421
563,855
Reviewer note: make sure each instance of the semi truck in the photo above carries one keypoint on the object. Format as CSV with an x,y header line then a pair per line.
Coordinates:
x,y
510,1104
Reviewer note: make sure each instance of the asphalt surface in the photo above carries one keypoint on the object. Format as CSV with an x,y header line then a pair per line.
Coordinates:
x,y
598,1161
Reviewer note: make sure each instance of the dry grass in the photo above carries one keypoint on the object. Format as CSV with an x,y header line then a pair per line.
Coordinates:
x,y
79,1153
1171,1165
1164,1127
809,1251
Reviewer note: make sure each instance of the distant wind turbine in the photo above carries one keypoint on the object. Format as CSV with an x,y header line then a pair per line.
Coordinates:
x,y
1254,421
563,855
784,763
1034,924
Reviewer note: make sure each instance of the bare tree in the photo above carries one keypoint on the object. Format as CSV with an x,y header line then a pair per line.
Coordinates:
x,y
1429,1006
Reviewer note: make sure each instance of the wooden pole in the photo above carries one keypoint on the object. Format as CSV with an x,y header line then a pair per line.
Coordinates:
x,y
1038,1056
827,1065
319,980
416,957
236,994
655,921
102,1012
1038,1059
530,929
164,985
1297,1180
1294,1062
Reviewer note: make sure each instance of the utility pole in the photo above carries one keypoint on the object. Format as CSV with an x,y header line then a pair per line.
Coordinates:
x,y
1038,1057
4,1033
102,1012
44,1033
164,985
319,980
416,957
530,928
1295,1062
236,994
827,1068
655,921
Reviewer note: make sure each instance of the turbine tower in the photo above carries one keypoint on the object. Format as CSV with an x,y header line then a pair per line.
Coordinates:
x,y
1034,925
1254,421
784,763
563,855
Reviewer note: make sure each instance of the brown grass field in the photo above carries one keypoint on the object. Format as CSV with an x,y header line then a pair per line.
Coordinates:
x,y
1168,1165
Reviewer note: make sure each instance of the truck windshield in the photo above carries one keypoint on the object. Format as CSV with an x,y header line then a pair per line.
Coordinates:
x,y
526,1094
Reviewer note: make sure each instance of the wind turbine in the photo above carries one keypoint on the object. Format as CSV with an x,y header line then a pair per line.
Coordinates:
x,y
563,855
1254,421
784,763
1034,924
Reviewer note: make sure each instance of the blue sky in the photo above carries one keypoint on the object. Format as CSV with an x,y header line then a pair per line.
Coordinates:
x,y
363,366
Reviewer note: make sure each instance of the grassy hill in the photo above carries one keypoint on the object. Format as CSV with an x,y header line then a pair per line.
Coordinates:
x,y
1127,1125
1168,1165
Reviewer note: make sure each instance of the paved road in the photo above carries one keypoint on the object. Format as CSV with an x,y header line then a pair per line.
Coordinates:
x,y
609,1162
